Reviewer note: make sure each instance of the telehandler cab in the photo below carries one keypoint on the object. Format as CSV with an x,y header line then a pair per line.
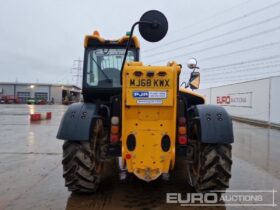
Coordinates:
x,y
139,115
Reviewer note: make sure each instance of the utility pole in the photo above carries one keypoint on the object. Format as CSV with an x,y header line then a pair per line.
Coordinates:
x,y
77,72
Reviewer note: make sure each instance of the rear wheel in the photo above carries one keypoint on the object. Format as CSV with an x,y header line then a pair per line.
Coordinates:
x,y
211,168
82,165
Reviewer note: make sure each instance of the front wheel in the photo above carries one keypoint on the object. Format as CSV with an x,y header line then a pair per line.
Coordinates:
x,y
81,162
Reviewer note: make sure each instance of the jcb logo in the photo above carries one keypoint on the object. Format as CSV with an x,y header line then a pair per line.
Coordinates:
x,y
149,83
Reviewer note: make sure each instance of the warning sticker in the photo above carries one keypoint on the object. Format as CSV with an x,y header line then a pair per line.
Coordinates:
x,y
149,101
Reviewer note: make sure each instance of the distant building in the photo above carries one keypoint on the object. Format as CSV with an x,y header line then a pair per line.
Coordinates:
x,y
56,93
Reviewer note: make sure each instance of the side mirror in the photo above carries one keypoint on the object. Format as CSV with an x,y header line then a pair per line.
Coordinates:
x,y
153,26
194,80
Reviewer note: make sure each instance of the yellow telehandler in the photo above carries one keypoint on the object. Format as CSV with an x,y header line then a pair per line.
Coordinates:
x,y
139,115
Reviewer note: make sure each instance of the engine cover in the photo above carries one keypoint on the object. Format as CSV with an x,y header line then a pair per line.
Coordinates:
x,y
149,110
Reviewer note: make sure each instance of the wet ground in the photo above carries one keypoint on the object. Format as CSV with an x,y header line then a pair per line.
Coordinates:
x,y
31,172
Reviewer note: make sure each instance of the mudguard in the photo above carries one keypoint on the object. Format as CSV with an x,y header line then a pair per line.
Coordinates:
x,y
77,121
215,124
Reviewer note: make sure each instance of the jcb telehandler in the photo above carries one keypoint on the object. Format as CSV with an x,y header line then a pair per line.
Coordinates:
x,y
139,115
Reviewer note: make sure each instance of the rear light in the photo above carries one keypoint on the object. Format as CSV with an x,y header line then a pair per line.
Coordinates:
x,y
115,130
138,73
182,121
162,74
182,140
150,74
115,121
114,138
128,156
182,131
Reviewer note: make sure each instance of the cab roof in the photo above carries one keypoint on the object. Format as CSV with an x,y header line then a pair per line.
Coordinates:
x,y
96,40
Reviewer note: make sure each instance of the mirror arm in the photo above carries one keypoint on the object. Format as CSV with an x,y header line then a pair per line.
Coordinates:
x,y
188,84
129,43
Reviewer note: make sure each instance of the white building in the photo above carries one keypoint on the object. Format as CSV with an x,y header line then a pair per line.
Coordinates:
x,y
257,100
50,92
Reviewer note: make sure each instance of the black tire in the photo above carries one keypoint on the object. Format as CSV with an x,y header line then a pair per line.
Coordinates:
x,y
211,169
81,162
214,172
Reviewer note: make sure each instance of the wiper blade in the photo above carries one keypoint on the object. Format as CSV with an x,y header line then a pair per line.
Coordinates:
x,y
99,68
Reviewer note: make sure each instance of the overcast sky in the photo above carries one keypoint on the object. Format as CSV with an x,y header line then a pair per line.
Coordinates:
x,y
39,39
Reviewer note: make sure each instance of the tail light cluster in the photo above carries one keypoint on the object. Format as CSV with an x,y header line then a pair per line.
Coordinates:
x,y
182,131
115,129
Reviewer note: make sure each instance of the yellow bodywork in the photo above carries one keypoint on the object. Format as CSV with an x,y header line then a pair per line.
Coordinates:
x,y
190,92
149,107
